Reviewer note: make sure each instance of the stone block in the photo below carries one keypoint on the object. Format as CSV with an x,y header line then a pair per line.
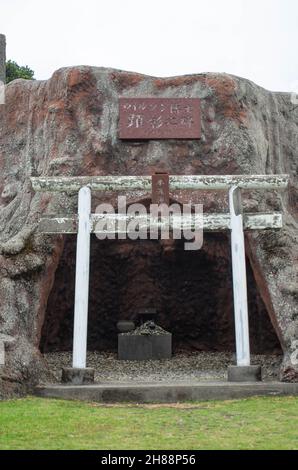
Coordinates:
x,y
76,376
144,347
244,373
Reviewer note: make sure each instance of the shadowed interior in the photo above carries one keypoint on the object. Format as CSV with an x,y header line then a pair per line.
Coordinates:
x,y
191,290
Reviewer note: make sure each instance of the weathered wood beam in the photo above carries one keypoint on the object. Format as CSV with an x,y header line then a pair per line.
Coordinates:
x,y
126,183
211,222
58,225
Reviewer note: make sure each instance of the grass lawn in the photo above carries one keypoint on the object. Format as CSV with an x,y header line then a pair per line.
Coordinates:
x,y
254,423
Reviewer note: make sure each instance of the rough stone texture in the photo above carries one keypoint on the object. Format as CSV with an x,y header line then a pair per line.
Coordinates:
x,y
2,58
244,373
68,126
170,392
75,376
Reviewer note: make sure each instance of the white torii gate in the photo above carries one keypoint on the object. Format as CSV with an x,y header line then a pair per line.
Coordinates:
x,y
236,221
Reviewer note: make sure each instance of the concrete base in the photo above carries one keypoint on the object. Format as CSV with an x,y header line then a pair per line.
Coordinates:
x,y
244,374
144,347
75,376
169,392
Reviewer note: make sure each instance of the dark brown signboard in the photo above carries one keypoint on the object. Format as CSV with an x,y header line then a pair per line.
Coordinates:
x,y
159,118
160,188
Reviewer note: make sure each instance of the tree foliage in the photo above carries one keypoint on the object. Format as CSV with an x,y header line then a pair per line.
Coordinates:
x,y
14,71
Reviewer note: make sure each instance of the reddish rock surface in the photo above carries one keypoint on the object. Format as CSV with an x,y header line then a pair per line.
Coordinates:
x,y
68,126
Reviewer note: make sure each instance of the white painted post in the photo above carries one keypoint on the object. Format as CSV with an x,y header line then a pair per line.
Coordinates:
x,y
239,278
82,279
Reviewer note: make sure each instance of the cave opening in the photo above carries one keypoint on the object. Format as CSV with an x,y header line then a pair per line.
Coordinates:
x,y
191,291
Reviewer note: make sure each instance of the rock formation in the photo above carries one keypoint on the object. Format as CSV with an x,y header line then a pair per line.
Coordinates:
x,y
67,125
2,58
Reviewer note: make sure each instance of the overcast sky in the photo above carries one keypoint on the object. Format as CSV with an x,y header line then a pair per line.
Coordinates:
x,y
255,39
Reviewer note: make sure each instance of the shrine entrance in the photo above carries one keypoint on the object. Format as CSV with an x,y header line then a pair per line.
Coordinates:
x,y
191,291
235,222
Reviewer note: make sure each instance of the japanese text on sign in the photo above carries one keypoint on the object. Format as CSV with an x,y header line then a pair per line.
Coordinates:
x,y
160,118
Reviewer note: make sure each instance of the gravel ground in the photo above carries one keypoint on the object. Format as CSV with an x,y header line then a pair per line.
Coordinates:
x,y
182,367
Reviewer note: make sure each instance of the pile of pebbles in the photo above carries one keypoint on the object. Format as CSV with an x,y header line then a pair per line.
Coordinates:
x,y
149,328
183,366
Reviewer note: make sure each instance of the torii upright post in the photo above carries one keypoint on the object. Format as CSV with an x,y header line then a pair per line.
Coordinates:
x,y
79,373
82,280
243,371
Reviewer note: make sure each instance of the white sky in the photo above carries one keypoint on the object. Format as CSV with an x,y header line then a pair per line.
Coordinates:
x,y
255,39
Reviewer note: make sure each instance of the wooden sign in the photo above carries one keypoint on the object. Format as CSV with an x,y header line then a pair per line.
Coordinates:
x,y
160,189
159,118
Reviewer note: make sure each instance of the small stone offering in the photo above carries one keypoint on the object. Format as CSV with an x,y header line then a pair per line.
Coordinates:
x,y
148,341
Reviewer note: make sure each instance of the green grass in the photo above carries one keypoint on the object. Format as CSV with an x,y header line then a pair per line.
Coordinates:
x,y
255,423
